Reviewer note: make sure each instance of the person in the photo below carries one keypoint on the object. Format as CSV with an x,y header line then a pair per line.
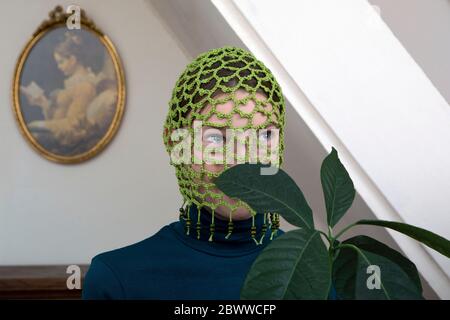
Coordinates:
x,y
83,108
65,110
208,251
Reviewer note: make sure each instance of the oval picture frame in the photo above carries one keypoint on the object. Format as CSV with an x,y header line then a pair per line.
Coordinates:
x,y
68,89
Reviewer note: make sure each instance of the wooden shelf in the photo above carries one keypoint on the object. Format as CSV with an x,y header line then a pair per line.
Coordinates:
x,y
37,282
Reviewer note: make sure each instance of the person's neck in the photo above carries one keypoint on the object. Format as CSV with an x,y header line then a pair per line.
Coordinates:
x,y
218,215
198,223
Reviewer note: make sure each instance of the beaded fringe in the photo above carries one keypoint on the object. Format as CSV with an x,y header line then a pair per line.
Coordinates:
x,y
211,226
230,228
273,217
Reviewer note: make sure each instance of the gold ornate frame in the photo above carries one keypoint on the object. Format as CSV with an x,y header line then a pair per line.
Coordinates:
x,y
58,18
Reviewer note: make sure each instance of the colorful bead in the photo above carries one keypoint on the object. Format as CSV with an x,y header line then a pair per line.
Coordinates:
x,y
230,229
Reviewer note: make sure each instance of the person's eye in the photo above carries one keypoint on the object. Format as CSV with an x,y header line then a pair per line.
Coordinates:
x,y
214,138
266,135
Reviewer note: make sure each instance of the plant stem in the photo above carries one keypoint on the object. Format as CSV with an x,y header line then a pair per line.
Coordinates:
x,y
330,237
326,237
330,232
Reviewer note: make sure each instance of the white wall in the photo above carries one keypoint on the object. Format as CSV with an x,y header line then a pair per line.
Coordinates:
x,y
423,27
51,213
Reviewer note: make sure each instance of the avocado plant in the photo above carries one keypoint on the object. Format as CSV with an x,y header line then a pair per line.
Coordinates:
x,y
307,263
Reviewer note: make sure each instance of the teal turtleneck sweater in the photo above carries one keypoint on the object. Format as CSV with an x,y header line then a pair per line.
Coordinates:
x,y
173,265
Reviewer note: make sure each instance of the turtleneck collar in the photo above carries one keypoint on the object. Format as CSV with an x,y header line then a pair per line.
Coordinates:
x,y
238,242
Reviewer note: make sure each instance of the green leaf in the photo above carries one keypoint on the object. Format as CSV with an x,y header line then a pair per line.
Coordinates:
x,y
337,186
352,276
371,245
267,193
428,238
293,266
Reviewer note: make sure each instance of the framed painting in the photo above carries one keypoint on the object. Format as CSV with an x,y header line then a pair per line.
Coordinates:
x,y
68,89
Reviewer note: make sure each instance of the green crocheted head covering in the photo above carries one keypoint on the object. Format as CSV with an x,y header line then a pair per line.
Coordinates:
x,y
211,80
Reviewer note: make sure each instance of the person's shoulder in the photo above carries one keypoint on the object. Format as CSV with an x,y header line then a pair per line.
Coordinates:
x,y
141,252
102,282
145,246
105,277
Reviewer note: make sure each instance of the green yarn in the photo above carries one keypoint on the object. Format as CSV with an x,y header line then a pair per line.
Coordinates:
x,y
264,229
198,226
275,224
213,78
211,226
